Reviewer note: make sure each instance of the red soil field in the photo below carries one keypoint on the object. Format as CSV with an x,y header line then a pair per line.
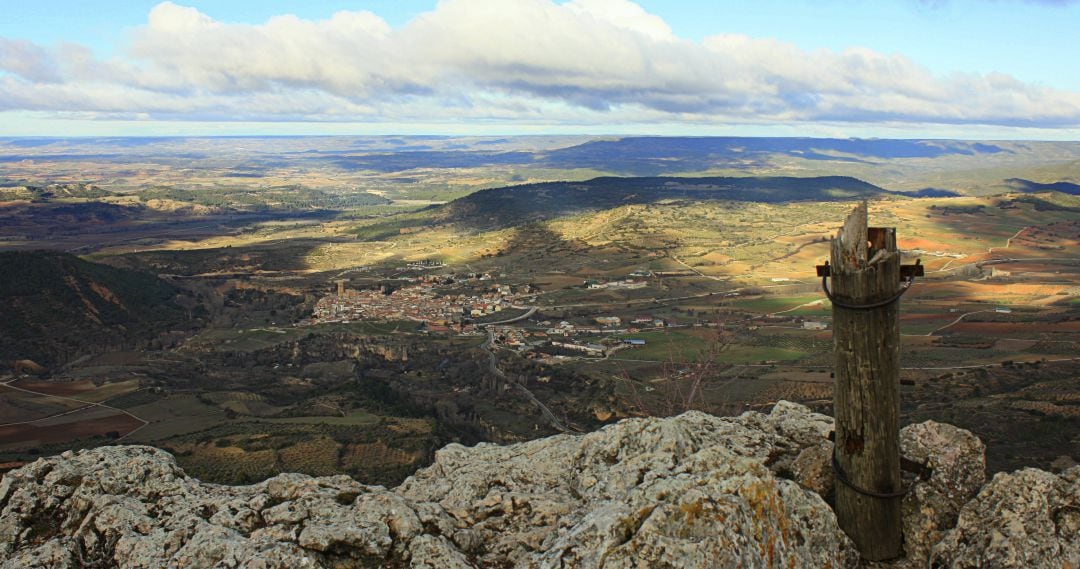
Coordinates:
x,y
989,292
932,317
1007,328
1034,267
45,434
63,389
907,243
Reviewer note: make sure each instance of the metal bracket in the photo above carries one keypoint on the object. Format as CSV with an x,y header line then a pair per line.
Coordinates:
x,y
922,471
907,272
905,284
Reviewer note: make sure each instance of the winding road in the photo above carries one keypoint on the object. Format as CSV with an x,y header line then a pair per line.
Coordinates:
x,y
955,322
493,366
532,310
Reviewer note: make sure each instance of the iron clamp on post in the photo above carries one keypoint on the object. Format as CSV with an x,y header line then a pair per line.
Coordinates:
x,y
907,278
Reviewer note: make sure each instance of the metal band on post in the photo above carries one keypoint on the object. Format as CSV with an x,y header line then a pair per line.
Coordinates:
x,y
922,471
915,270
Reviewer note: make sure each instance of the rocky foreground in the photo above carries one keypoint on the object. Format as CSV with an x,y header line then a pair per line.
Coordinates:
x,y
688,491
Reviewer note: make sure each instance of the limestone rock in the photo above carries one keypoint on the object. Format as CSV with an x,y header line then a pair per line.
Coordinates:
x,y
431,552
695,490
131,506
958,462
813,469
687,491
1029,518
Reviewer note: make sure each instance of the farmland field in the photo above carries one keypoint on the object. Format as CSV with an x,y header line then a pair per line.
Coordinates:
x,y
78,426
231,256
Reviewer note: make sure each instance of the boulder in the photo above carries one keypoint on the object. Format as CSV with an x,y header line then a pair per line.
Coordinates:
x,y
693,489
1028,518
687,491
957,462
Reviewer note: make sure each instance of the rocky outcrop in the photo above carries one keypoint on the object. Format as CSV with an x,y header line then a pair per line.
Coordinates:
x,y
687,491
133,507
1028,518
957,459
693,491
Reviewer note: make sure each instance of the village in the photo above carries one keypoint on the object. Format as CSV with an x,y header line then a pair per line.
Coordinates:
x,y
428,301
476,304
439,303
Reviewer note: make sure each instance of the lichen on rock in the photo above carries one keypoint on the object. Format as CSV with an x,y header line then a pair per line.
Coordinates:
x,y
1028,518
693,490
687,491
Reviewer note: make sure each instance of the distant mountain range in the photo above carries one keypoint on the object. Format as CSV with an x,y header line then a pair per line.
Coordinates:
x,y
421,167
630,156
652,156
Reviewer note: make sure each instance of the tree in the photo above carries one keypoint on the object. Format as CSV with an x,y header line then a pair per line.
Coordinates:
x,y
681,385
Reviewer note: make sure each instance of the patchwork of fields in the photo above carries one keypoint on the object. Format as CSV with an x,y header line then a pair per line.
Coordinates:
x,y
725,311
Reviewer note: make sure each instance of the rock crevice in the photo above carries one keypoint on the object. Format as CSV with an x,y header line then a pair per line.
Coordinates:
x,y
687,491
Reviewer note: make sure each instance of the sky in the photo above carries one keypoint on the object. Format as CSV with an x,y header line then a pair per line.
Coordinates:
x,y
975,69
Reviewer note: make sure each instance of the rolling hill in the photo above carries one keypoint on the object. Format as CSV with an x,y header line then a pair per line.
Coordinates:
x,y
55,307
514,205
1027,186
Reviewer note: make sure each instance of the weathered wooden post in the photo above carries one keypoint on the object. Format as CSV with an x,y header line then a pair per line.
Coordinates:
x,y
866,287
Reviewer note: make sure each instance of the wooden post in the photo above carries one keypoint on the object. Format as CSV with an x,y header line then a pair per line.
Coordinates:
x,y
865,271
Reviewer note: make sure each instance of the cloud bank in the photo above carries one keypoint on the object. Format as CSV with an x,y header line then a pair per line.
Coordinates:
x,y
509,62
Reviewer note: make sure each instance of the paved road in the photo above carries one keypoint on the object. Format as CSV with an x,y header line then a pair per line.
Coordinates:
x,y
532,310
1007,260
818,302
494,367
955,322
664,300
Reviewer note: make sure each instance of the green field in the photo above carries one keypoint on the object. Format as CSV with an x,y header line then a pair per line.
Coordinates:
x,y
17,406
355,418
775,303
759,354
691,346
175,415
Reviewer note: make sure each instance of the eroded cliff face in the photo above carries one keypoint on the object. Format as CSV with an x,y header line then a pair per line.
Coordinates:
x,y
688,491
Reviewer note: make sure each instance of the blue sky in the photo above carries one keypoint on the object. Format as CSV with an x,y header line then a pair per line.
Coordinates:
x,y
950,68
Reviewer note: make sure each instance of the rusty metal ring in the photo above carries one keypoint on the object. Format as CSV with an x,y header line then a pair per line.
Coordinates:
x,y
842,477
903,288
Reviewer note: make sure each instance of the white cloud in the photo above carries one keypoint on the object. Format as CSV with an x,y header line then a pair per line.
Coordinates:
x,y
183,48
514,61
27,60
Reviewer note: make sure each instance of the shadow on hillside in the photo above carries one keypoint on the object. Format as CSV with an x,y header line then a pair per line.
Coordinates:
x,y
516,205
531,248
86,227
273,256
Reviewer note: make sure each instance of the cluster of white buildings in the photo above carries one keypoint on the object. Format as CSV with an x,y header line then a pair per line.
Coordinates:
x,y
627,284
420,303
